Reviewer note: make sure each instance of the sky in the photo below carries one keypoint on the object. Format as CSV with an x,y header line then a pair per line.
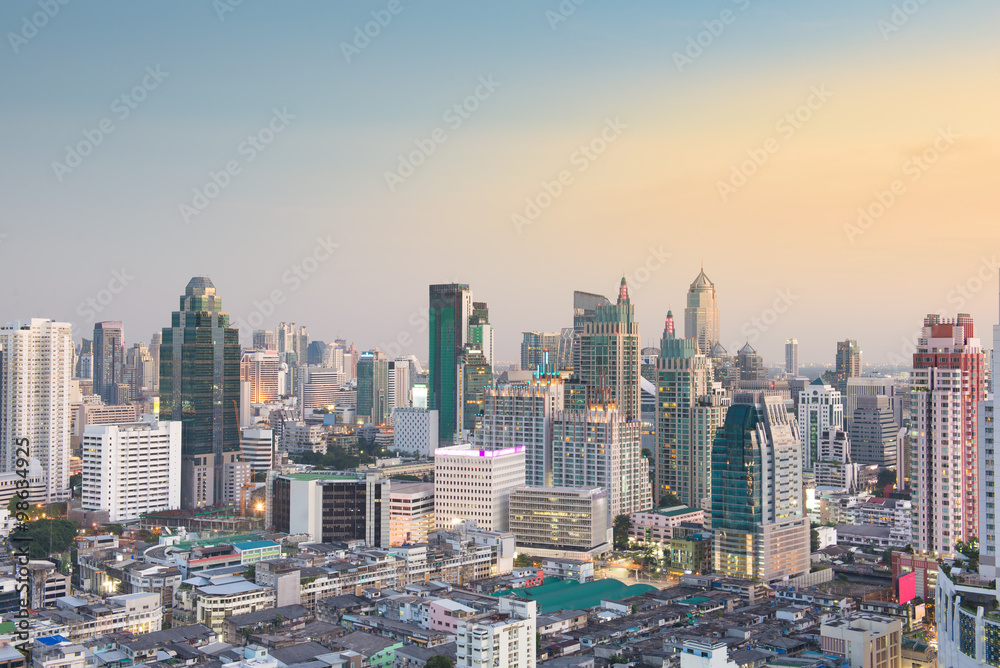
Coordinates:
x,y
831,165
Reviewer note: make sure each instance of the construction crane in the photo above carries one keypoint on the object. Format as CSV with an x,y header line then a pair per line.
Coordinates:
x,y
246,482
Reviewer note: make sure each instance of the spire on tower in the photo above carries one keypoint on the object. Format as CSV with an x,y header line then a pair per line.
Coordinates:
x,y
623,292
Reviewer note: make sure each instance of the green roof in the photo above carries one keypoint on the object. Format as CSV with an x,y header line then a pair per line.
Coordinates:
x,y
320,475
673,511
219,540
254,544
571,595
7,628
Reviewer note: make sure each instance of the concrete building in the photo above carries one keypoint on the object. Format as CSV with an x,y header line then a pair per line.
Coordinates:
x,y
416,430
701,315
505,639
820,407
948,385
45,584
848,363
330,507
560,521
792,357
760,527
870,386
258,447
411,512
657,525
36,368
874,431
834,467
303,437
864,640
474,484
989,474
534,345
130,469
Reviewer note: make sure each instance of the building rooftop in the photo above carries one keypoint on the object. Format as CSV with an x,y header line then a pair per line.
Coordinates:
x,y
363,643
286,611
255,544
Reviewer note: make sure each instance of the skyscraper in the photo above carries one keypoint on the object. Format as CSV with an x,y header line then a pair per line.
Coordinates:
x,y
481,331
260,369
263,339
154,352
875,434
609,363
792,357
948,382
989,472
36,366
373,387
450,309
109,360
848,363
473,376
820,408
753,374
535,344
760,528
199,386
585,305
701,316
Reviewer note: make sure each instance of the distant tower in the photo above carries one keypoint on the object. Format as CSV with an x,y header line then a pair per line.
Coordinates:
x,y
821,407
848,363
701,317
109,360
792,357
199,383
448,317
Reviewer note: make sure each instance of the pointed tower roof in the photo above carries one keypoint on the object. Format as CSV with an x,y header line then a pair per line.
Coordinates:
x,y
701,282
819,381
718,350
623,292
747,350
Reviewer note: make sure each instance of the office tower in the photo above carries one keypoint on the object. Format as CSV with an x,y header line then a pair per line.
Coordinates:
x,y
258,447
473,376
833,466
199,386
820,407
109,360
870,387
351,357
314,353
373,387
560,522
521,416
85,361
415,430
481,331
450,308
701,316
420,396
848,363
684,376
399,384
585,305
752,372
318,388
140,370
609,356
502,640
948,383
285,342
792,357
300,342
330,507
989,475
759,524
564,356
724,369
333,357
154,352
875,434
473,484
411,512
36,368
864,640
535,344
260,369
263,339
598,447
132,468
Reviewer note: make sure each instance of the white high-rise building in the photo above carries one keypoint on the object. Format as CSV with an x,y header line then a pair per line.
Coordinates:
x,y
258,447
833,467
260,369
503,640
399,384
415,430
792,357
36,367
867,386
411,512
474,484
130,469
820,407
989,472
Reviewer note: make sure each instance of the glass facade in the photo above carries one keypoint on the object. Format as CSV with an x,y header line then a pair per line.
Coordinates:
x,y
448,320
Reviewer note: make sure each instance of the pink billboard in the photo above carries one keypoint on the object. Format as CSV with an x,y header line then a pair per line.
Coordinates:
x,y
907,585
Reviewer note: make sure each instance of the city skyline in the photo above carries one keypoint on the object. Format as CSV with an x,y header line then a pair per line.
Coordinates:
x,y
305,211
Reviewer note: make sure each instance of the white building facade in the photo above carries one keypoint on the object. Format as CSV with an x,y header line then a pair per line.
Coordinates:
x,y
474,484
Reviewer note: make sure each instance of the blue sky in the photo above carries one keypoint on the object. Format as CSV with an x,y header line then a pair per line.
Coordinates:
x,y
894,86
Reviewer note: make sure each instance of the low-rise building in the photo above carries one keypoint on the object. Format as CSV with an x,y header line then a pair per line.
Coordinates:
x,y
569,569
657,525
865,640
560,521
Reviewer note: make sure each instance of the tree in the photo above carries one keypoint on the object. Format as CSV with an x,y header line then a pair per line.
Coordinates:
x,y
439,661
47,537
970,550
885,478
621,527
813,540
523,561
116,529
647,453
669,500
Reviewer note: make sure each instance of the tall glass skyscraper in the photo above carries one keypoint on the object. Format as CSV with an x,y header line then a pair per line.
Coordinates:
x,y
373,387
450,310
200,387
609,363
701,316
109,360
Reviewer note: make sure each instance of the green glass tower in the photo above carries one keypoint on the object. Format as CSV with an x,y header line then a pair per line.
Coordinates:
x,y
199,386
373,387
448,318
